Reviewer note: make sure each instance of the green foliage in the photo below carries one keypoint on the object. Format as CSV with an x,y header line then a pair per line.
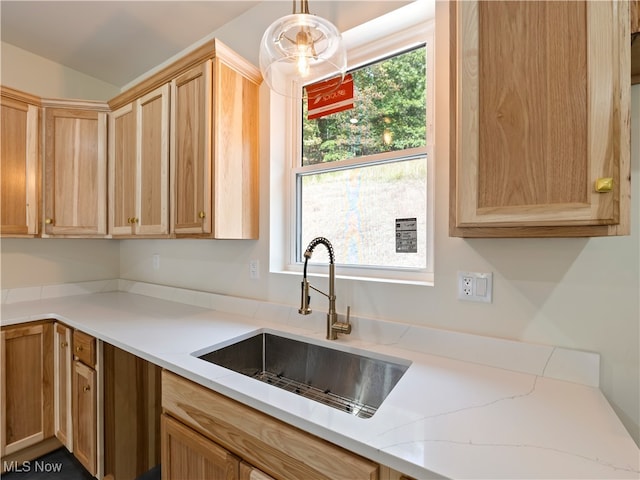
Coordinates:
x,y
390,108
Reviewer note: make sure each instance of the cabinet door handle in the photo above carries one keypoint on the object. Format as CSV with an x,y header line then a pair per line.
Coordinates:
x,y
64,344
79,348
86,388
48,221
604,184
201,214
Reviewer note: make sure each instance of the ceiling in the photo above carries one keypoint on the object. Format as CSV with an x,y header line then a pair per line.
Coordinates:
x,y
114,41
118,41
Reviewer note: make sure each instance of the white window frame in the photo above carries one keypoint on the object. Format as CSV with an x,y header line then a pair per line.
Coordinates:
x,y
398,31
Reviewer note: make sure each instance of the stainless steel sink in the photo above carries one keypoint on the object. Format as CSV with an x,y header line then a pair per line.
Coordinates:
x,y
356,384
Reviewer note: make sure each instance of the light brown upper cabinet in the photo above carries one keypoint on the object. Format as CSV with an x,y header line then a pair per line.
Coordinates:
x,y
75,175
214,153
139,166
540,105
191,150
19,163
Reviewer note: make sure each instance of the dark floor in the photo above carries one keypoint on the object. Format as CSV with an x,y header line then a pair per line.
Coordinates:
x,y
58,465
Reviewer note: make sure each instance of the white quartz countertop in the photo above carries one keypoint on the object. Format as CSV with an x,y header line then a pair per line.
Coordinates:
x,y
445,418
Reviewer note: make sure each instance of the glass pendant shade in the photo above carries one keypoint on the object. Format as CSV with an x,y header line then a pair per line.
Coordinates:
x,y
301,48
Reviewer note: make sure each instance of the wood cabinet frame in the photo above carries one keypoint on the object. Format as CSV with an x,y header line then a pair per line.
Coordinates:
x,y
27,367
63,360
274,447
88,402
139,166
214,152
78,181
21,171
608,154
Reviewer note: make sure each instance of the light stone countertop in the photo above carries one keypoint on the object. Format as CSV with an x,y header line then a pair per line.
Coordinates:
x,y
464,417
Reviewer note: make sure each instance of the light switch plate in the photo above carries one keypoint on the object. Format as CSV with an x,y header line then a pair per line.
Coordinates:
x,y
475,287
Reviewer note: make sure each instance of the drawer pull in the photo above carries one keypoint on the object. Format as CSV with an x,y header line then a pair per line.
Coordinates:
x,y
79,348
64,344
86,388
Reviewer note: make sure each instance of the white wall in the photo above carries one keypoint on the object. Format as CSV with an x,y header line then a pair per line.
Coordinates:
x,y
578,293
47,261
39,76
30,262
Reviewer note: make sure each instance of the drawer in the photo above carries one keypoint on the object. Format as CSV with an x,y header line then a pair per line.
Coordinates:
x,y
84,348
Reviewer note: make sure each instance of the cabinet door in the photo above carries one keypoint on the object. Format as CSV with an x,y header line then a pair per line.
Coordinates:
x,y
19,153
269,444
139,166
188,455
153,163
75,172
635,16
122,170
131,414
542,116
63,358
85,417
27,378
191,151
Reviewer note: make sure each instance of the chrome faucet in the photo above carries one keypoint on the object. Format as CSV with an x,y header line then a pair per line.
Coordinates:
x,y
333,326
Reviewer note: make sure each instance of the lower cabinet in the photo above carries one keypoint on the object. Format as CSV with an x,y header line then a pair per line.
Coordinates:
x,y
27,387
121,415
87,412
204,421
63,368
85,416
186,454
131,414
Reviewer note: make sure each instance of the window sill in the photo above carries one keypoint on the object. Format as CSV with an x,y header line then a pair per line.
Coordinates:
x,y
416,278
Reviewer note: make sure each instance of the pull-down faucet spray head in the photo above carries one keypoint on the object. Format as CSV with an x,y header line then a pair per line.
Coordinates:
x,y
304,287
333,326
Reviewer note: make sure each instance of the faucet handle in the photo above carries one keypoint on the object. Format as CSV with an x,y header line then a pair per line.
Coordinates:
x,y
342,327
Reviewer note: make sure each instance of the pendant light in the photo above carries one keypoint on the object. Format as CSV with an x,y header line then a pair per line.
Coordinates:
x,y
300,48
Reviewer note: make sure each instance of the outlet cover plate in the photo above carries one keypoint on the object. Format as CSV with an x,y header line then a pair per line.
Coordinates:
x,y
475,287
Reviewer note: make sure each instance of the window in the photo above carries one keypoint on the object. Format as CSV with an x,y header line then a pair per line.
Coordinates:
x,y
362,177
362,170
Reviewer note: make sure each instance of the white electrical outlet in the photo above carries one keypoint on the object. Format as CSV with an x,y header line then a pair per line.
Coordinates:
x,y
254,269
475,287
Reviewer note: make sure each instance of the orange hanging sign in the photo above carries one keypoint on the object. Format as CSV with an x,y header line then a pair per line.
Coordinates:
x,y
324,99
